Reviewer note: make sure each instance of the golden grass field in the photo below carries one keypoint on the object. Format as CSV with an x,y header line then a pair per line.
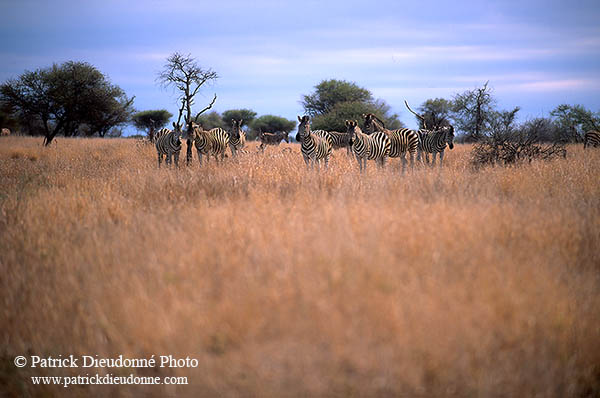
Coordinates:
x,y
287,282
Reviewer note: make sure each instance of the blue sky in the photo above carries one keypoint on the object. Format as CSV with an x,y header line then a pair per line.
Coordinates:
x,y
535,54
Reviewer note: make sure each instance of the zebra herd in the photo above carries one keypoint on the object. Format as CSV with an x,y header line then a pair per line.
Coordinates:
x,y
375,143
212,142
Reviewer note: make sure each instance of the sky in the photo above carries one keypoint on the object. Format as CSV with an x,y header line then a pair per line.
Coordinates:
x,y
268,54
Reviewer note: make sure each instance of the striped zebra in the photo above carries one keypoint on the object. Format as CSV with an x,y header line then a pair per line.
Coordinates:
x,y
434,142
402,140
168,144
271,139
375,146
340,140
315,145
591,138
237,138
157,134
209,142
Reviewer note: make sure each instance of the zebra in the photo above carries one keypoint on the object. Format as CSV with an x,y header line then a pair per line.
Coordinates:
x,y
375,146
433,141
591,138
157,134
340,140
208,142
315,145
237,138
168,144
402,140
271,139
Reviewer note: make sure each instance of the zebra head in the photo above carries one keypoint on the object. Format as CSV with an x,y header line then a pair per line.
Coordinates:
x,y
177,130
449,137
303,128
373,123
236,128
351,126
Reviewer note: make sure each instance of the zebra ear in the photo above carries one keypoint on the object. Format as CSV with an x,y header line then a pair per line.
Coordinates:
x,y
300,120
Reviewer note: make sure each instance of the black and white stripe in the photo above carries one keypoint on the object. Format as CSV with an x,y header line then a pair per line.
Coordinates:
x,y
168,143
316,145
237,138
374,147
340,140
591,138
402,140
209,142
157,134
434,142
271,139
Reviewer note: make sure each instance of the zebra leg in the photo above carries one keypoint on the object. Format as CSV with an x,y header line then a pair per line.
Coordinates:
x,y
441,158
412,161
176,156
433,162
306,160
188,157
199,157
403,157
168,161
159,159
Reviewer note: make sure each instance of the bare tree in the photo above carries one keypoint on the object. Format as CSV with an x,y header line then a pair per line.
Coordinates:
x,y
472,111
184,74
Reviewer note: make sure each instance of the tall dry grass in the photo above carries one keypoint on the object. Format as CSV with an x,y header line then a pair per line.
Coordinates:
x,y
285,282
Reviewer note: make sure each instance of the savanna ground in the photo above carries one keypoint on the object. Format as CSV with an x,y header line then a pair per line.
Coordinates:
x,y
285,282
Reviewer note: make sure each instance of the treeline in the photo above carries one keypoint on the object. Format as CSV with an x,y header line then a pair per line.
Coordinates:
x,y
76,99
475,115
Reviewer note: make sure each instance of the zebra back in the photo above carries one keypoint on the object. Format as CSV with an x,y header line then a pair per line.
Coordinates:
x,y
401,140
375,146
339,140
168,142
436,140
591,138
158,134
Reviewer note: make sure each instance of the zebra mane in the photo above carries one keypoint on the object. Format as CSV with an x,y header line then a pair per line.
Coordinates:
x,y
381,122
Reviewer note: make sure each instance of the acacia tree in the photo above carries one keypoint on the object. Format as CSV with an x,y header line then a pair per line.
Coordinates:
x,y
271,124
211,120
65,97
435,112
574,121
151,120
334,101
183,73
245,115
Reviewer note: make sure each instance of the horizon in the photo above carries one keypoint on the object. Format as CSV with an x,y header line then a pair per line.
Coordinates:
x,y
268,55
